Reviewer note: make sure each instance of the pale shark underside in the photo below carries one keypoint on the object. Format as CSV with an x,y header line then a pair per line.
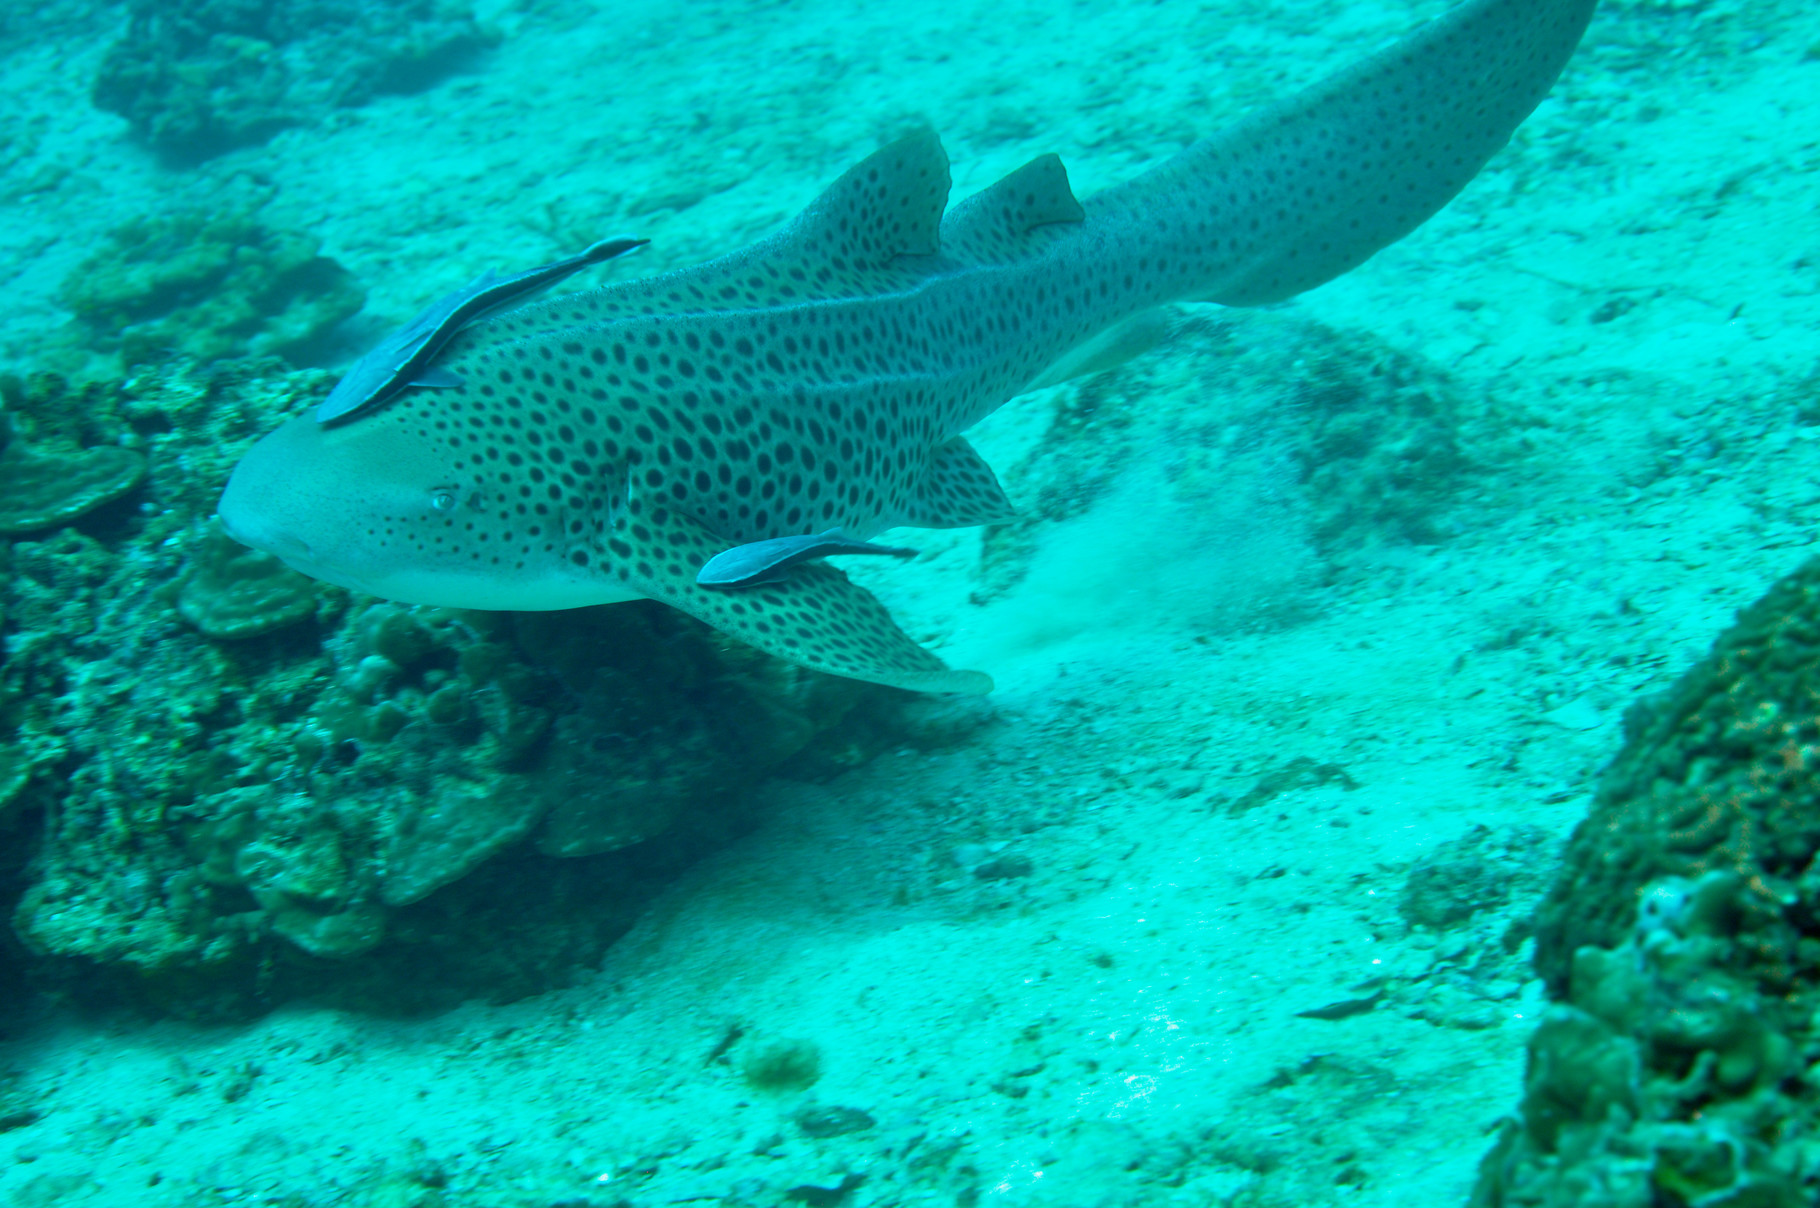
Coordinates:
x,y
608,445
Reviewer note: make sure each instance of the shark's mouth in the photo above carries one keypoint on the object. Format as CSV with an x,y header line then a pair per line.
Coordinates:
x,y
293,551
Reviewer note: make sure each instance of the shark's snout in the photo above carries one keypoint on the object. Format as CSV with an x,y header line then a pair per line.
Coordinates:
x,y
254,508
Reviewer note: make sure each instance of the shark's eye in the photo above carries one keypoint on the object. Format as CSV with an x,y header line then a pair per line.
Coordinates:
x,y
444,499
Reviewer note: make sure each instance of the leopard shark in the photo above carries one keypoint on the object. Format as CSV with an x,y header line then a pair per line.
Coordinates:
x,y
802,394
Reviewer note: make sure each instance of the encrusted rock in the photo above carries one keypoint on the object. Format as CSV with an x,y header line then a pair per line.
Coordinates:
x,y
1721,771
1670,1073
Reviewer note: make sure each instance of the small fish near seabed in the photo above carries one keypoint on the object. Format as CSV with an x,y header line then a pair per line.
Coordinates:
x,y
610,445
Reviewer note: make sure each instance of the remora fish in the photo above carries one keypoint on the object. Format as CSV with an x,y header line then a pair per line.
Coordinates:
x,y
607,445
767,561
404,357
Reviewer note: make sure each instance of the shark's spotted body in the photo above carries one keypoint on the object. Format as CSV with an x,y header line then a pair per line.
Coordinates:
x,y
605,446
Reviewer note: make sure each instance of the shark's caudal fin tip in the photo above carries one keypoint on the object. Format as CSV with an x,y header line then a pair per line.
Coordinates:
x,y
947,681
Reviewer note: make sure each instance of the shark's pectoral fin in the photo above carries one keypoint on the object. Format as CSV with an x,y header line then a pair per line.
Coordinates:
x,y
959,490
768,561
812,617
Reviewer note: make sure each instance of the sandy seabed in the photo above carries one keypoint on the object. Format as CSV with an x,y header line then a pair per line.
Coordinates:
x,y
1156,1010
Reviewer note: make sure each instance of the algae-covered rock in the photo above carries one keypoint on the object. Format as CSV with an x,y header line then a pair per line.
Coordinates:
x,y
1720,771
209,286
199,77
43,490
1681,942
233,592
1670,1075
1476,873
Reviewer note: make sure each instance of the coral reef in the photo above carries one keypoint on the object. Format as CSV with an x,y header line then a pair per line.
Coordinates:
x,y
250,785
199,77
208,286
1681,943
44,490
231,591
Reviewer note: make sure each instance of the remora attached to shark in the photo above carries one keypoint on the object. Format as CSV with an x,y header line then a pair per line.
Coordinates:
x,y
607,445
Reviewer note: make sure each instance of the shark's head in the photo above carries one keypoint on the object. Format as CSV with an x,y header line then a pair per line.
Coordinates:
x,y
387,504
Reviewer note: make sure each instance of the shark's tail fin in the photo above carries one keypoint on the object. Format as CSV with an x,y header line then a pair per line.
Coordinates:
x,y
1300,192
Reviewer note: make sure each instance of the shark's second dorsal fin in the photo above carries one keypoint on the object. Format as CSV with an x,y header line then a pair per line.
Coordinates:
x,y
994,224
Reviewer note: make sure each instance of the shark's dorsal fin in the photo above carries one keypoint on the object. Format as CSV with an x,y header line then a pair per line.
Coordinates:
x,y
994,224
885,206
863,236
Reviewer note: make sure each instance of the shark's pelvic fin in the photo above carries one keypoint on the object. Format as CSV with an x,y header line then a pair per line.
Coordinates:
x,y
1110,349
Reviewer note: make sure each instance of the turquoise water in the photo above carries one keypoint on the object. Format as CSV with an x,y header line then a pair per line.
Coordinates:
x,y
1317,629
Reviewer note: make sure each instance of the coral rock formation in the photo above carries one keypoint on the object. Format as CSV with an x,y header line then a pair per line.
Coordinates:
x,y
199,77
